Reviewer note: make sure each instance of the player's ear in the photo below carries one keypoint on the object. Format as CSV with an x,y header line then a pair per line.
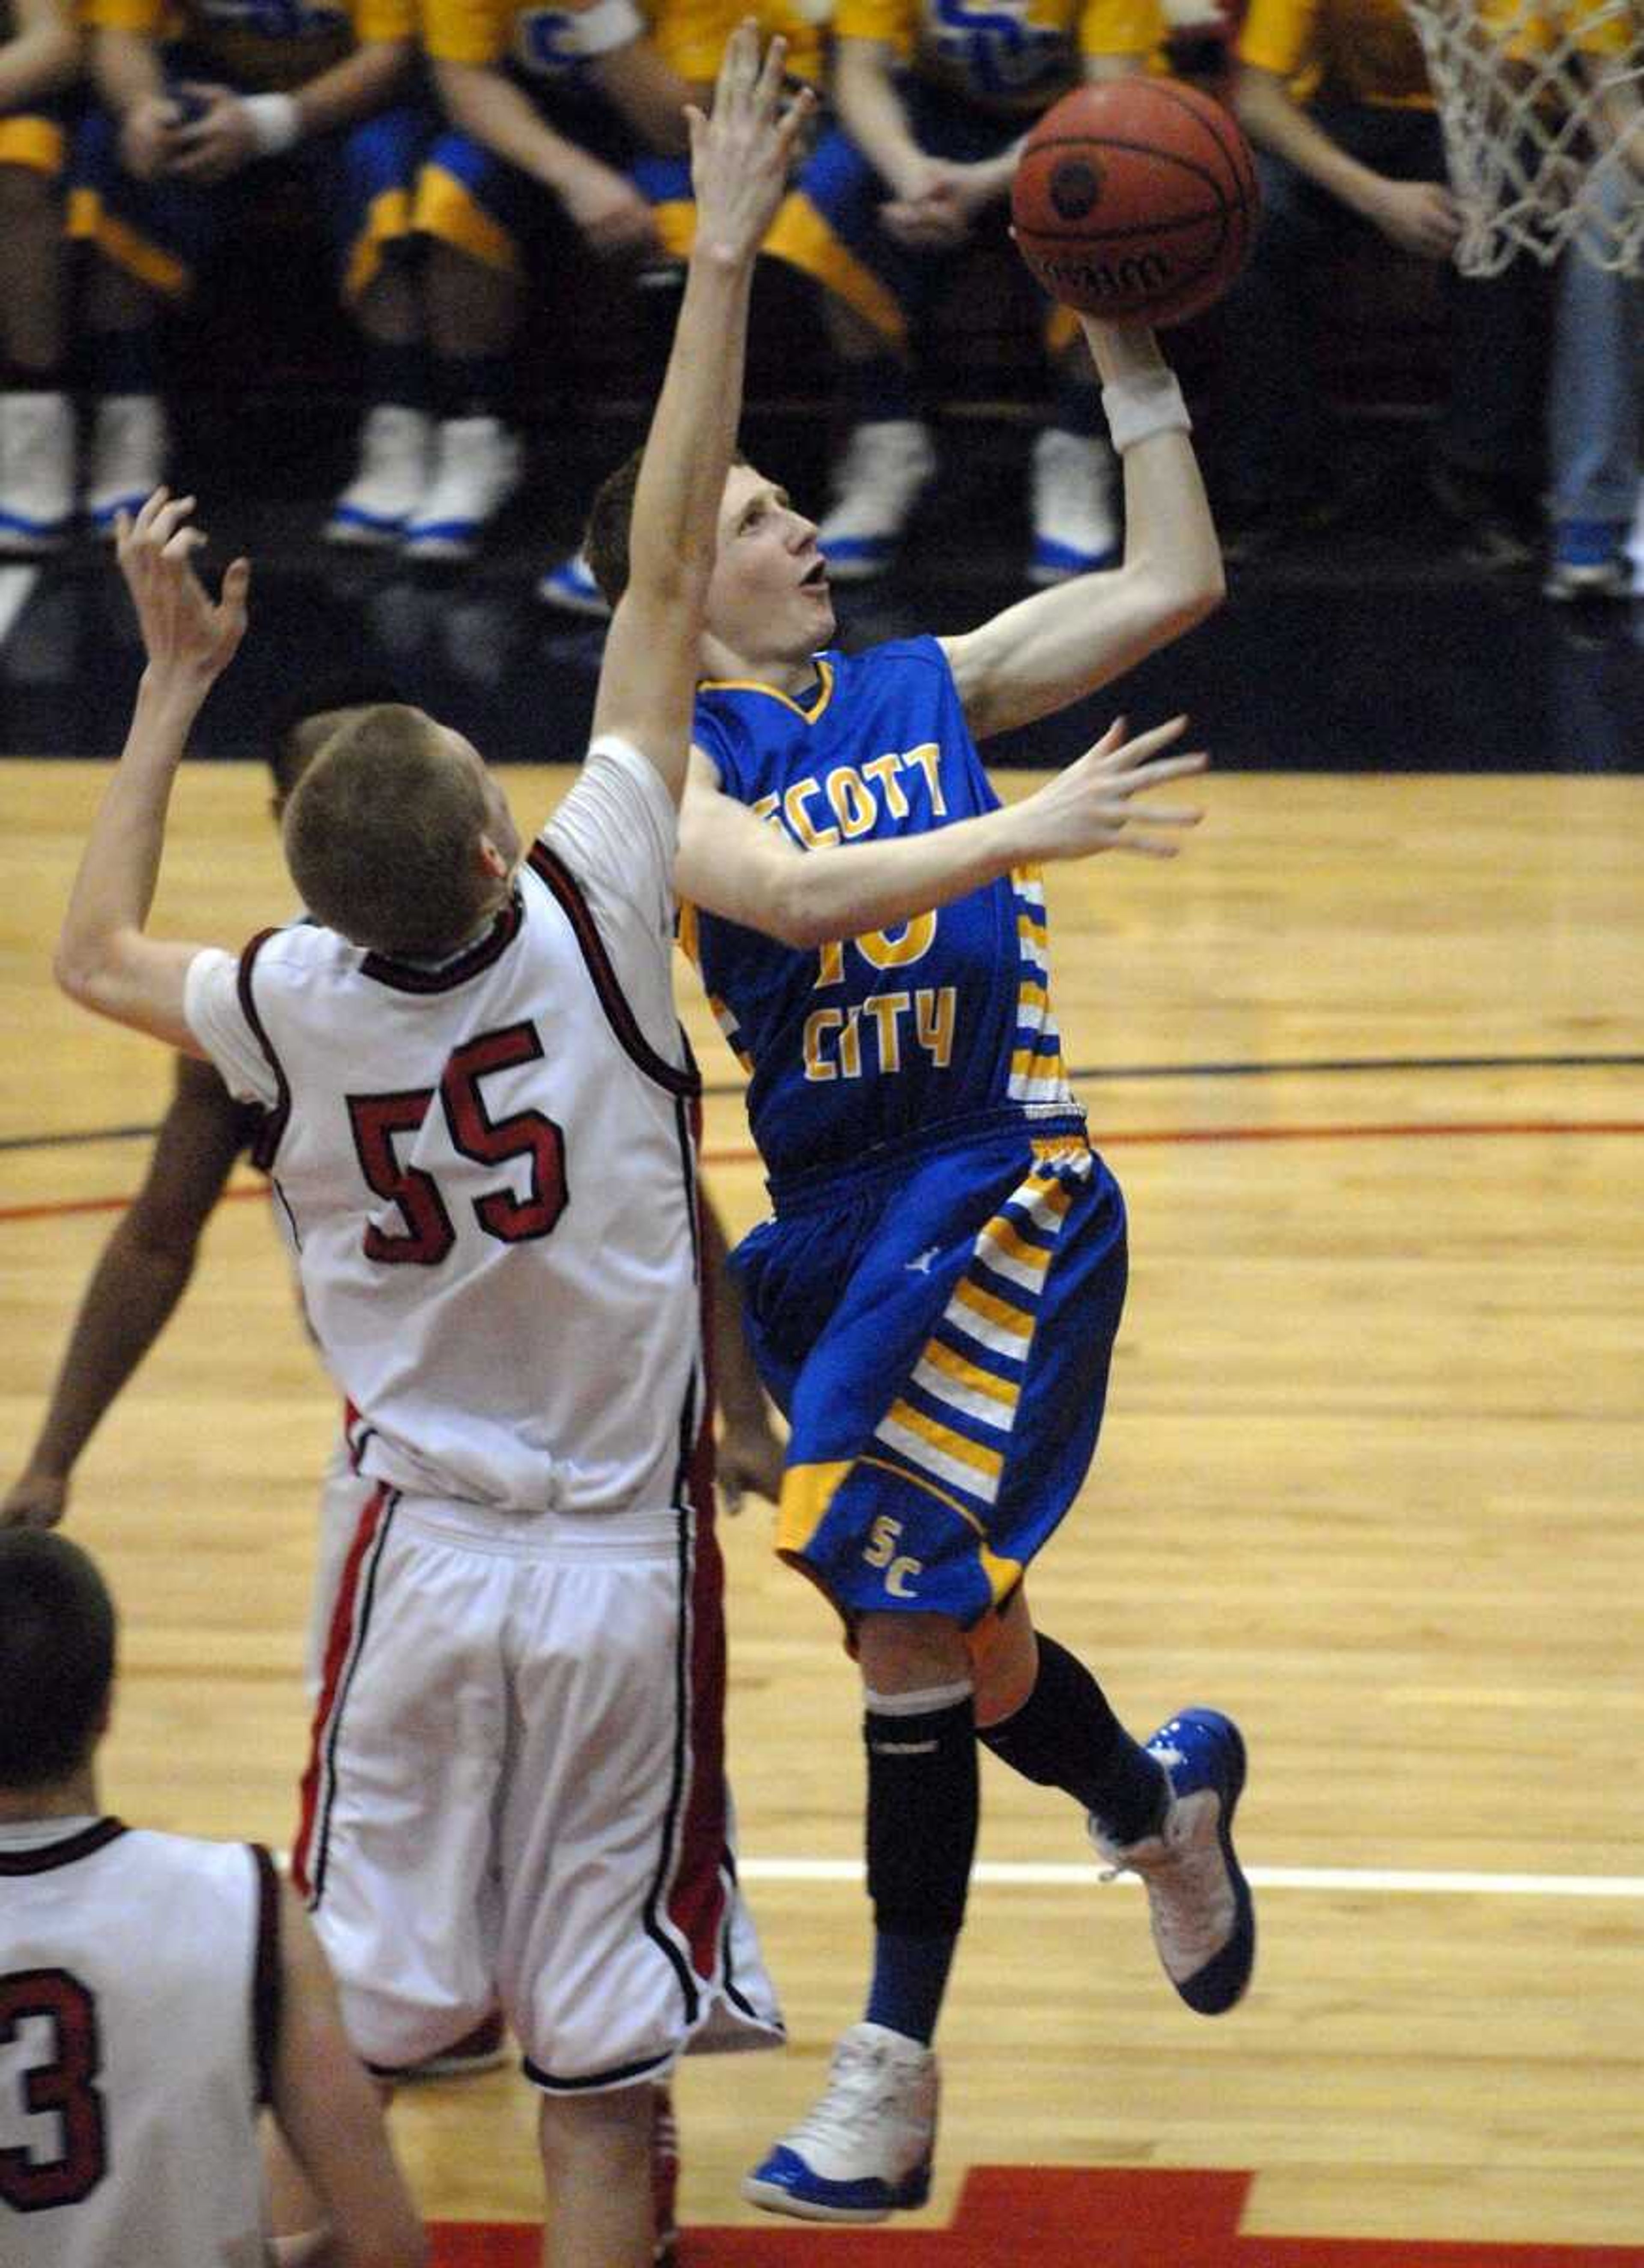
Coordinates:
x,y
491,862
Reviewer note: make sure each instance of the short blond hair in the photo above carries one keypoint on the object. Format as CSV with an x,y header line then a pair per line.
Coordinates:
x,y
382,835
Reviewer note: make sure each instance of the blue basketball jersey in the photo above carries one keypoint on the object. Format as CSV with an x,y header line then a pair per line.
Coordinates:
x,y
902,1033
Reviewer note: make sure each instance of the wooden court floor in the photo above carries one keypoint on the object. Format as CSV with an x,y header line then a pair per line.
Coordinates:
x,y
1369,1062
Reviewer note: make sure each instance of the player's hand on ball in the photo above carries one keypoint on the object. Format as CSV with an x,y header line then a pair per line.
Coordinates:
x,y
189,637
1091,806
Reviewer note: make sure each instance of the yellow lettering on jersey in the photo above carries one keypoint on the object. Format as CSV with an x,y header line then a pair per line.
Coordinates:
x,y
830,965
881,1548
851,1045
818,1025
880,950
928,758
766,806
885,1008
853,804
884,770
899,1576
799,818
934,1014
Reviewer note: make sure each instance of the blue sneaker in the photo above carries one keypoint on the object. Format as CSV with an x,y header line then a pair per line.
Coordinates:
x,y
1203,1923
572,588
863,2153
1589,561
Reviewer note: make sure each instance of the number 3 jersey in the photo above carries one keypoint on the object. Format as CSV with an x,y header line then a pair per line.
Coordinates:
x,y
139,2010
904,1034
486,1168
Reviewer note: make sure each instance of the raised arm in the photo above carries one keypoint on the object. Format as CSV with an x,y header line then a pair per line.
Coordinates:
x,y
739,167
141,1274
104,960
1055,647
747,870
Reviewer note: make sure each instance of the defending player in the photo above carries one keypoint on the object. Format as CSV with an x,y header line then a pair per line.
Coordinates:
x,y
482,1141
154,1990
934,1301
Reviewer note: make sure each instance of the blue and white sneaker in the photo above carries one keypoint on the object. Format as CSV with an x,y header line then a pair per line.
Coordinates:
x,y
1589,561
572,588
1204,1922
865,2151
1075,528
886,468
395,458
37,454
476,470
129,442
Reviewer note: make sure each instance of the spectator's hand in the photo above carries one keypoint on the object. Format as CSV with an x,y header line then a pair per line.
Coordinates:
x,y
742,153
1088,808
35,1500
218,141
148,137
609,213
189,638
932,210
1419,217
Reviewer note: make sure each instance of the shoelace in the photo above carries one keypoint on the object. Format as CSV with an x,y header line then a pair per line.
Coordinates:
x,y
858,2085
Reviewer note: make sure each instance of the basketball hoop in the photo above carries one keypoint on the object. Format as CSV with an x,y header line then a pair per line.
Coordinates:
x,y
1542,103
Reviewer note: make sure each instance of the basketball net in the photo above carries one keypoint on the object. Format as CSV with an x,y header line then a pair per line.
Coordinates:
x,y
1543,108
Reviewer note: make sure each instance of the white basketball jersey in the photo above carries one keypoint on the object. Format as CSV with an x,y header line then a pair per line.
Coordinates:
x,y
487,1173
138,2006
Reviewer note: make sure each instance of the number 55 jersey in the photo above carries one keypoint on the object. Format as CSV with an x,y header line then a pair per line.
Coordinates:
x,y
486,1168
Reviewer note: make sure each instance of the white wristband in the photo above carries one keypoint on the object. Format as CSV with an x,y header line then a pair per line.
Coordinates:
x,y
608,23
273,121
1138,407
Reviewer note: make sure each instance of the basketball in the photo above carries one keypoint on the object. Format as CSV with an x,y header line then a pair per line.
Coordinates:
x,y
1136,200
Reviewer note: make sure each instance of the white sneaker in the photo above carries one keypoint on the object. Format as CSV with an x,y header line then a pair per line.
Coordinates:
x,y
128,446
476,464
865,2151
37,447
396,453
886,468
572,588
1073,525
1198,1901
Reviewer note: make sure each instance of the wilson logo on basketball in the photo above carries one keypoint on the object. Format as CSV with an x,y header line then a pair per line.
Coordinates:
x,y
1138,275
1075,188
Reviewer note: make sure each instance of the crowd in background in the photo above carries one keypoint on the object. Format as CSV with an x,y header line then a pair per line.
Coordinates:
x,y
450,150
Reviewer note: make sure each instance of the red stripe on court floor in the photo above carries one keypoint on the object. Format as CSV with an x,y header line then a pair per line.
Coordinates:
x,y
1043,2217
1464,1130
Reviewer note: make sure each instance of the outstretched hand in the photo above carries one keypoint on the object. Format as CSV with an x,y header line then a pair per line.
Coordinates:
x,y
741,152
1088,807
189,637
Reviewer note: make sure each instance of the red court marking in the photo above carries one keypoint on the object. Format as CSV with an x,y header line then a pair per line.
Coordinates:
x,y
1041,2217
744,1154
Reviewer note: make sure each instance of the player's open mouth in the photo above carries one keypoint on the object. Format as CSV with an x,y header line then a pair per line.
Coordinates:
x,y
814,578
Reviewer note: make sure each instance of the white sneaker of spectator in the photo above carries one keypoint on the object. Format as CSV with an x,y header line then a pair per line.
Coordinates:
x,y
476,470
885,469
572,588
37,451
396,447
129,446
1075,528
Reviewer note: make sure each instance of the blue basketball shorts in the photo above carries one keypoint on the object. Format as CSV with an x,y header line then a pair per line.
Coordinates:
x,y
938,1330
468,197
164,231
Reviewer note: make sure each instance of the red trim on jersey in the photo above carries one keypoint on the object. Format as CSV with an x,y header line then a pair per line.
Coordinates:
x,y
339,1637
416,976
271,1127
696,1900
551,870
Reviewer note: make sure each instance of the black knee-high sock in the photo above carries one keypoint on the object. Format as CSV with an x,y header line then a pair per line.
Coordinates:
x,y
1066,1735
922,1808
